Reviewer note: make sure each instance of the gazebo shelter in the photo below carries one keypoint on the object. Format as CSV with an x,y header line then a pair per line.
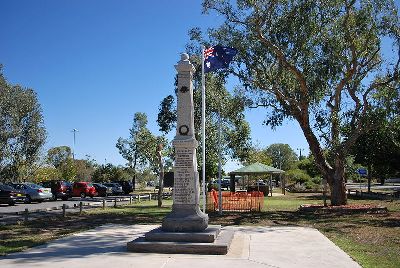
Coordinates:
x,y
254,169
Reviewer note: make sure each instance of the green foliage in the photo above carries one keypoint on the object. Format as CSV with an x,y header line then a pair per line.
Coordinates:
x,y
309,166
379,150
258,155
46,174
297,175
84,169
320,63
110,173
58,155
22,131
283,157
167,114
68,170
140,149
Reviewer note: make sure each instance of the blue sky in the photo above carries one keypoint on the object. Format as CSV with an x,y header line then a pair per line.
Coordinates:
x,y
94,63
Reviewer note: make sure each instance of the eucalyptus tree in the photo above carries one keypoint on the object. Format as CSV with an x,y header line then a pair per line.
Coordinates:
x,y
283,156
22,130
58,155
321,63
140,148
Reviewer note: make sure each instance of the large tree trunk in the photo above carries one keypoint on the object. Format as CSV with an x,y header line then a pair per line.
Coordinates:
x,y
337,184
338,191
333,175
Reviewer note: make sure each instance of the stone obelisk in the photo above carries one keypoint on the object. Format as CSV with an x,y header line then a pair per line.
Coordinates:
x,y
186,215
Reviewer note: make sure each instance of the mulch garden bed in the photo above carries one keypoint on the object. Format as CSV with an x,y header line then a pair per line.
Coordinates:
x,y
344,209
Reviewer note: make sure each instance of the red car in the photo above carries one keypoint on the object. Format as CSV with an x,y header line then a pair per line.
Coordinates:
x,y
84,189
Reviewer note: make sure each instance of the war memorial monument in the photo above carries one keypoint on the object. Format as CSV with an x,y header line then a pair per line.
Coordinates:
x,y
185,229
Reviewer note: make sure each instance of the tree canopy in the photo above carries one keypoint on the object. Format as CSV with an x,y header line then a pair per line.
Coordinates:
x,y
22,131
140,148
320,63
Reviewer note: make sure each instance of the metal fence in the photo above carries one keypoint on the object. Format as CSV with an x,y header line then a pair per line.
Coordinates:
x,y
238,201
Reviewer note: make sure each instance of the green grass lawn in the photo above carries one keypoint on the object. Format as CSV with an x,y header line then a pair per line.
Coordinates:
x,y
373,240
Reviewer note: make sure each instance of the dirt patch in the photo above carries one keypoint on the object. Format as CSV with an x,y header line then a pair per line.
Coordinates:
x,y
345,209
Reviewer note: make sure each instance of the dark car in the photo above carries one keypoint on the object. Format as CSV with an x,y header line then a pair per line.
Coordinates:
x,y
127,186
115,188
9,195
59,189
83,189
101,189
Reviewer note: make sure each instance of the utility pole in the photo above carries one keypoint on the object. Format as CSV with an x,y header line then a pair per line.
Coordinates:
x,y
73,148
300,149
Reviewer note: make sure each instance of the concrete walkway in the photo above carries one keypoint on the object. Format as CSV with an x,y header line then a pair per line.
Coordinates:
x,y
252,247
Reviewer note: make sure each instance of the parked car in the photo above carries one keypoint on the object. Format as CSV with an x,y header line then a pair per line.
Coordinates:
x,y
9,195
225,183
59,189
115,188
127,186
260,183
102,190
33,192
392,180
83,189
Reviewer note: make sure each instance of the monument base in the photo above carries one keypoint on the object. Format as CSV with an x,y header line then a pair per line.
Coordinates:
x,y
212,241
185,218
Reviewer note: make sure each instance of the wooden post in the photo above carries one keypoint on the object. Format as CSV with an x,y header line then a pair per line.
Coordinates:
x,y
130,200
149,196
26,215
270,184
80,207
161,179
104,204
115,202
139,197
63,210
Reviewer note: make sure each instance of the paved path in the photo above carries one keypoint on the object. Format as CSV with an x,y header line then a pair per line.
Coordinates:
x,y
253,247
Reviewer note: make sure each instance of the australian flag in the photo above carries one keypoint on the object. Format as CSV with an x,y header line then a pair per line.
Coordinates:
x,y
218,57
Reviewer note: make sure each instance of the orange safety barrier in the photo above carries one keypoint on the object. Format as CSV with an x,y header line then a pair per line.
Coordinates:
x,y
239,201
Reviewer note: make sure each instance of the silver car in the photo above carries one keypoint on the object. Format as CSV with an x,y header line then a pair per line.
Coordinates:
x,y
33,191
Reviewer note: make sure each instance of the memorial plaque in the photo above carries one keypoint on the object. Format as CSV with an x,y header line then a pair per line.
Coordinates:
x,y
184,174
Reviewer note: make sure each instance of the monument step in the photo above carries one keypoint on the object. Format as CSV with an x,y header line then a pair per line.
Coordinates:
x,y
207,236
219,247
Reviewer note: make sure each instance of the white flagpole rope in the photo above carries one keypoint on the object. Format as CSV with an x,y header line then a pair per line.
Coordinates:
x,y
203,128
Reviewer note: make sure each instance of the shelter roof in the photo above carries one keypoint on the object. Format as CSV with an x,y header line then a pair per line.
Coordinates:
x,y
256,169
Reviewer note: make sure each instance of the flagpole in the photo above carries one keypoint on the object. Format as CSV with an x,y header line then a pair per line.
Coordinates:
x,y
203,128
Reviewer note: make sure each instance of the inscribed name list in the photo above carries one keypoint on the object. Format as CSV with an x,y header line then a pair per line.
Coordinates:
x,y
184,191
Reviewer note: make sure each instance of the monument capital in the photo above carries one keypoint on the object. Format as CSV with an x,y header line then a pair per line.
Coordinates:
x,y
184,65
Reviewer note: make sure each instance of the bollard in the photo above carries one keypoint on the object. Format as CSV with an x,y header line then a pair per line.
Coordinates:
x,y
139,197
26,215
130,200
115,202
63,209
149,196
80,208
104,204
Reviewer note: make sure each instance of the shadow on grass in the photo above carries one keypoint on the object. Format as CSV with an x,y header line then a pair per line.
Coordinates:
x,y
294,218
